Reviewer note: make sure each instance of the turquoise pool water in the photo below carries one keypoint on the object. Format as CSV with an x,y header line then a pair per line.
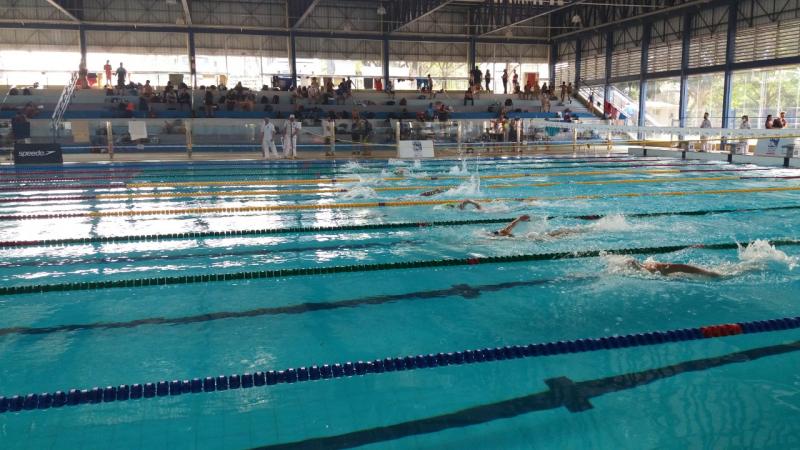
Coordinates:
x,y
734,392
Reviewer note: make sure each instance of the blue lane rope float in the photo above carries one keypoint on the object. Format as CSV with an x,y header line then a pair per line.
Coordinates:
x,y
360,227
175,387
281,273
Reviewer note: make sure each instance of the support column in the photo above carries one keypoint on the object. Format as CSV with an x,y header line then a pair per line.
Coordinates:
x,y
578,50
471,54
385,56
687,35
192,61
609,63
730,52
647,28
552,62
292,58
82,43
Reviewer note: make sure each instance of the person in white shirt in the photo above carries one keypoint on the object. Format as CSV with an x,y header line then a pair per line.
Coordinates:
x,y
290,132
704,139
741,146
268,139
328,132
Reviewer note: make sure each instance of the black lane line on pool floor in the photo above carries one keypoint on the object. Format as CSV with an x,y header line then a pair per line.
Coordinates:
x,y
464,291
574,396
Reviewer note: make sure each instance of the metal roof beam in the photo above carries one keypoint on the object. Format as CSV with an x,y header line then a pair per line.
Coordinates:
x,y
186,13
57,5
535,16
406,12
295,8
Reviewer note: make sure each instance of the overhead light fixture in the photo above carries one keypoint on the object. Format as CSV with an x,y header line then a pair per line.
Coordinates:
x,y
576,20
381,10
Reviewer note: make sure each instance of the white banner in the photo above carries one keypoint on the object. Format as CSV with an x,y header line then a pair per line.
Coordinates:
x,y
415,149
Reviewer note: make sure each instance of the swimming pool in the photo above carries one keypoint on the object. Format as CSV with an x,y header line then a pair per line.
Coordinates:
x,y
118,275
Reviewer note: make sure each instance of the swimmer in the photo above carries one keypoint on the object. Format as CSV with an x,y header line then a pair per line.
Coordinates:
x,y
433,192
401,171
671,268
506,232
463,205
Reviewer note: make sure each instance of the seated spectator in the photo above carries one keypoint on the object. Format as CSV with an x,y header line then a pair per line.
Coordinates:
x,y
769,123
183,86
468,97
313,94
304,92
230,100
509,102
147,90
170,97
239,90
329,86
430,112
249,102
184,98
30,110
169,87
208,102
129,109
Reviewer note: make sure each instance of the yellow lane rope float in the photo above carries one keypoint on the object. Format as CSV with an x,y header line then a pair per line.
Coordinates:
x,y
247,209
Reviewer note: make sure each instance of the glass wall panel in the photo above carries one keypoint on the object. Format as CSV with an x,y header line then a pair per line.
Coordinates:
x,y
705,93
624,98
662,102
761,92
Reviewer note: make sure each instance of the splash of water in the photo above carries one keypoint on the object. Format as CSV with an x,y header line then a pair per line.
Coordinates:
x,y
397,162
359,192
761,251
417,164
352,166
469,188
614,222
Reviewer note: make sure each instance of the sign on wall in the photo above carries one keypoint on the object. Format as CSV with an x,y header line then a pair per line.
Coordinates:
x,y
37,154
415,149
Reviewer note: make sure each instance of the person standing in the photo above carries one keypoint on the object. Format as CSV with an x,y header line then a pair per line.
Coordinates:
x,y
563,91
505,81
290,132
268,139
769,122
121,75
515,81
208,102
488,79
569,92
741,146
107,70
430,86
703,138
783,119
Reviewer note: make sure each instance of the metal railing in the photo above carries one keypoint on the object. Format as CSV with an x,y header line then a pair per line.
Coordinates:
x,y
63,104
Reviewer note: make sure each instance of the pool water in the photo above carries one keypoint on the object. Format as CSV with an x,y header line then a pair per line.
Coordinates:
x,y
733,392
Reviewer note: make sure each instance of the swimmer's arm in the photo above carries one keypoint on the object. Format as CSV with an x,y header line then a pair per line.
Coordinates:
x,y
668,269
463,204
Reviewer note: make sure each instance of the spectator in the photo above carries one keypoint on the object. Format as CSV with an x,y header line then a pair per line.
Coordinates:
x,y
129,109
430,112
526,94
509,102
329,86
107,70
487,77
515,80
239,90
476,77
147,90
469,97
348,84
121,75
745,124
536,89
545,89
777,123
20,128
783,119
230,100
505,81
184,98
30,111
703,138
170,97
209,103
313,94
563,91
569,92
429,85
769,122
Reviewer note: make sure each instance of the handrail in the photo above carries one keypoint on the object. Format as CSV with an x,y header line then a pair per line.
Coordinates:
x,y
63,104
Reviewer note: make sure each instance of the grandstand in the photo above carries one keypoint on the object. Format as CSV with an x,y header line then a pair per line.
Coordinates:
x,y
503,224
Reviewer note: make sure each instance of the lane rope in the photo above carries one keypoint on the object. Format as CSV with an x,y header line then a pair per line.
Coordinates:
x,y
328,206
282,273
165,388
360,227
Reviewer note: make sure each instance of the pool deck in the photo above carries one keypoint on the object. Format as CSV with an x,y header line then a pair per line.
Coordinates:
x,y
316,155
769,161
